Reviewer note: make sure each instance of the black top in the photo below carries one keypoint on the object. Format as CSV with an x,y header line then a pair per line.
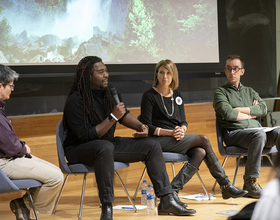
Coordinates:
x,y
77,132
154,115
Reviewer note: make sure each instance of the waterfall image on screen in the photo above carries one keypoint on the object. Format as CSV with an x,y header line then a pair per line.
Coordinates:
x,y
119,31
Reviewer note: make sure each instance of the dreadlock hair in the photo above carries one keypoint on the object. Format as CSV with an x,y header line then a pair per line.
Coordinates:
x,y
82,84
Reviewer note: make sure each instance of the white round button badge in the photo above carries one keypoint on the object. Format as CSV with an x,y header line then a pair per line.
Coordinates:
x,y
178,100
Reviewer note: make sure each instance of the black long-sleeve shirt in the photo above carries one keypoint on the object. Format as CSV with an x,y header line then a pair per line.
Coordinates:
x,y
77,132
154,115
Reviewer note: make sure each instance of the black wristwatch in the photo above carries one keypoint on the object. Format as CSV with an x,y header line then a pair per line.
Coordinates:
x,y
112,118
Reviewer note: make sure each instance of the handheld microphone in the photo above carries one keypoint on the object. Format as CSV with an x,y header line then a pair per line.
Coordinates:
x,y
115,95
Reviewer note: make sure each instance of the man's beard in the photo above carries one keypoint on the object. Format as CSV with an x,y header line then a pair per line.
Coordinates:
x,y
104,88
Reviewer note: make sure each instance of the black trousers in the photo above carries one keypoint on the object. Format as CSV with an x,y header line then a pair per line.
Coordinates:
x,y
102,153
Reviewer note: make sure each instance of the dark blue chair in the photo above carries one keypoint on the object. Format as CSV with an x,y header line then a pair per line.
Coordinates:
x,y
83,169
172,158
236,151
7,186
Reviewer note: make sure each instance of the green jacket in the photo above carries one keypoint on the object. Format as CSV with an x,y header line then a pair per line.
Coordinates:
x,y
228,97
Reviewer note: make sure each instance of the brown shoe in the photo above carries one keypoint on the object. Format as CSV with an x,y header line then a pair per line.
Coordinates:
x,y
252,186
19,209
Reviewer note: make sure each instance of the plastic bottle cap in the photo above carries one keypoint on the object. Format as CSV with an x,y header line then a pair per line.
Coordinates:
x,y
149,185
144,181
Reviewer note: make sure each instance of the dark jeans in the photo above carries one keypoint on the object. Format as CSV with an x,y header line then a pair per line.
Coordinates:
x,y
102,153
254,141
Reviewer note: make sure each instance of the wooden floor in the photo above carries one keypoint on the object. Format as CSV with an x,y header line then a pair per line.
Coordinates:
x,y
69,204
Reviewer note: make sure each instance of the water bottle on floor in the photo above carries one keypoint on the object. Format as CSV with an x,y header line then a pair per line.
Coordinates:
x,y
144,189
150,198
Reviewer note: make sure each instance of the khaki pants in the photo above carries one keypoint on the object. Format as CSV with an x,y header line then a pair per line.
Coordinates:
x,y
50,175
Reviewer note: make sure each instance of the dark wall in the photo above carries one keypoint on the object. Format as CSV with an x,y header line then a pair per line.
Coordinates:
x,y
251,33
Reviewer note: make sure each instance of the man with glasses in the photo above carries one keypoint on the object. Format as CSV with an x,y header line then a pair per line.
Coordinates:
x,y
237,107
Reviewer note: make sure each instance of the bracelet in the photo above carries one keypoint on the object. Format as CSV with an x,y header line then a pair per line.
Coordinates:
x,y
158,131
114,117
249,117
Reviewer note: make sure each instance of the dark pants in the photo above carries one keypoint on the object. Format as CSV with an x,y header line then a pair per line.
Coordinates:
x,y
102,153
255,141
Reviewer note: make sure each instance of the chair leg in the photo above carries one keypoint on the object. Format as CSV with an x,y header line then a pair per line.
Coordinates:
x,y
223,164
203,186
60,193
173,169
32,203
140,181
82,197
237,166
131,201
269,159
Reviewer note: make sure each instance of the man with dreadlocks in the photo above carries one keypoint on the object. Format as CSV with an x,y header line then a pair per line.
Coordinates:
x,y
90,116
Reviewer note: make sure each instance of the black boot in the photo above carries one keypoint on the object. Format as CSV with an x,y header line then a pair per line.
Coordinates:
x,y
177,199
185,174
168,205
230,191
107,211
217,171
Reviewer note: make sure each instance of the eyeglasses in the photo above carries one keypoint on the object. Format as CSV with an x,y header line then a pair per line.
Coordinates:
x,y
235,69
11,86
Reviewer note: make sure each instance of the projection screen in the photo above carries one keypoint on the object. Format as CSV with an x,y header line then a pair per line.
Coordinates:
x,y
61,32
